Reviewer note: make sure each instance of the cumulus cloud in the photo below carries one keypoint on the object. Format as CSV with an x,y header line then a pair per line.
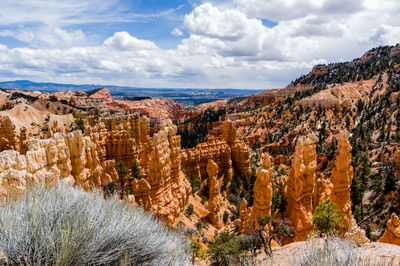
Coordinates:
x,y
227,45
176,32
123,41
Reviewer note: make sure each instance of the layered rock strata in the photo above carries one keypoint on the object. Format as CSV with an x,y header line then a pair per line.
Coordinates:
x,y
227,151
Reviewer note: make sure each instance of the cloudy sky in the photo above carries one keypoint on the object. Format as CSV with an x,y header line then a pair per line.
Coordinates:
x,y
260,44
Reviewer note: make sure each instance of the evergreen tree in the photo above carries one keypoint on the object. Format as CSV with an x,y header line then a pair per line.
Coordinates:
x,y
327,217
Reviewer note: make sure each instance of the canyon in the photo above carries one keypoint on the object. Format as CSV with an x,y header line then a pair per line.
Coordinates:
x,y
277,155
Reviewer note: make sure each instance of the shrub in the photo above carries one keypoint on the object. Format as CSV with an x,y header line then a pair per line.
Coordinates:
x,y
225,217
197,250
195,183
136,172
333,251
225,250
327,217
79,124
189,210
67,226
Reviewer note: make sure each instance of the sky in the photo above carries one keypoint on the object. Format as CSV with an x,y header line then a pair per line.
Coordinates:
x,y
247,44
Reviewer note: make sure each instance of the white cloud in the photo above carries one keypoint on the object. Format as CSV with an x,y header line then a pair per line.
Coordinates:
x,y
228,45
50,37
176,32
123,41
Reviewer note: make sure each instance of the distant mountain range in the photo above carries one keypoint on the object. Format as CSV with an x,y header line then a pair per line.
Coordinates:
x,y
187,96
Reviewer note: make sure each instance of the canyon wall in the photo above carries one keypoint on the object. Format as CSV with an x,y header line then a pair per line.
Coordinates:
x,y
227,151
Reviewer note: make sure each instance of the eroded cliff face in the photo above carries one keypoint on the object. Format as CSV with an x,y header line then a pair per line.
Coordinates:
x,y
194,161
227,151
68,157
300,187
342,176
89,160
168,187
392,233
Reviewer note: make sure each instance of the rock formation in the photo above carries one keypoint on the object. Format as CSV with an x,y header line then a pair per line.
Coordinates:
x,y
244,217
392,232
300,187
398,164
89,160
228,131
262,192
169,188
342,176
356,234
8,137
227,151
102,94
322,191
194,161
240,151
214,199
46,161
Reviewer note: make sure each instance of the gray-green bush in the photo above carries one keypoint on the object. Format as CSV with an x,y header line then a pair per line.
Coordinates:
x,y
67,226
333,251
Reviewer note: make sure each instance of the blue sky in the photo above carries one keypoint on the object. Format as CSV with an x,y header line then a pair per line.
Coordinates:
x,y
260,44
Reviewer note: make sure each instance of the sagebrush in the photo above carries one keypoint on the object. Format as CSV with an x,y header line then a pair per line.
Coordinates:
x,y
67,226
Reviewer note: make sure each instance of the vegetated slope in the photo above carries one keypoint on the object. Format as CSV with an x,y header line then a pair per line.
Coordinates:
x,y
361,96
373,62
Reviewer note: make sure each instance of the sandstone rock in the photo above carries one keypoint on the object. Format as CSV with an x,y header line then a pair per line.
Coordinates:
x,y
215,198
356,234
169,189
300,187
8,137
322,191
194,161
392,232
103,94
227,151
262,192
342,176
228,131
398,164
241,158
244,217
142,191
